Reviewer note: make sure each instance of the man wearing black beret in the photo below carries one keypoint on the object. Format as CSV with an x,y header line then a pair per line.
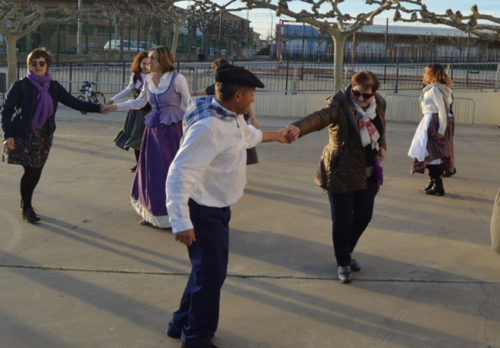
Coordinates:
x,y
206,177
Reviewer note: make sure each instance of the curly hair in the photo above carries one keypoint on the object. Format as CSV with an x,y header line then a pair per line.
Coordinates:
x,y
434,72
136,64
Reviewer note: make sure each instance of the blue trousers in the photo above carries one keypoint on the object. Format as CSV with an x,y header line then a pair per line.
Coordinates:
x,y
198,313
351,213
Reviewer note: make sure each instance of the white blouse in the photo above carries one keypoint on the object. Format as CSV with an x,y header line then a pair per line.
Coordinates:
x,y
128,91
180,85
433,103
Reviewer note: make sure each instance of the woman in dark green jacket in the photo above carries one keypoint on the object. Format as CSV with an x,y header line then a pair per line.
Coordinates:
x,y
350,167
28,123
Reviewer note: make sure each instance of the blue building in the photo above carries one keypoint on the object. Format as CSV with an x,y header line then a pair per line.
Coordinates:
x,y
376,42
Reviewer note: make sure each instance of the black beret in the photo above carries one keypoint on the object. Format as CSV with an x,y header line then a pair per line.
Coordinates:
x,y
238,75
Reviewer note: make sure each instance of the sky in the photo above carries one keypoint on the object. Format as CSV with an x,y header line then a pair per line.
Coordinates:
x,y
263,20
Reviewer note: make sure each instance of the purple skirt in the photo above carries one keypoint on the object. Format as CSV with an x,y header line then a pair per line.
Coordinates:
x,y
158,149
438,148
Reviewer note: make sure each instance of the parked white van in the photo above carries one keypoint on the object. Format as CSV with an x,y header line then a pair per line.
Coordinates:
x,y
115,45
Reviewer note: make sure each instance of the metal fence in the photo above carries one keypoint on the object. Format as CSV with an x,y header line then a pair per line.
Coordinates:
x,y
406,108
287,76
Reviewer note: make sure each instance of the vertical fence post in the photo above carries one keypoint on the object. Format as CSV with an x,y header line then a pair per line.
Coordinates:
x,y
286,81
397,77
123,74
496,76
70,76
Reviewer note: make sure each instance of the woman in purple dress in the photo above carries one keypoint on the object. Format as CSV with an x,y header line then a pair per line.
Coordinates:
x,y
166,91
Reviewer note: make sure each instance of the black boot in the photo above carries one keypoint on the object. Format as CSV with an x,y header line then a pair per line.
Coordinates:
x,y
438,189
430,185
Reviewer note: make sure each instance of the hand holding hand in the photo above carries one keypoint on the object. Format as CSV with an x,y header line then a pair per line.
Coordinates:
x,y
292,133
186,237
107,108
109,102
9,144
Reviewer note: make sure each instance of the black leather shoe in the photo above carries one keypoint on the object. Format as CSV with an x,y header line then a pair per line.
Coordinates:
x,y
344,274
436,190
355,265
173,331
30,216
430,185
132,170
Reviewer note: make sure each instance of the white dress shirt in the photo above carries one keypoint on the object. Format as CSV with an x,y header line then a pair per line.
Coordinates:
x,y
180,85
210,167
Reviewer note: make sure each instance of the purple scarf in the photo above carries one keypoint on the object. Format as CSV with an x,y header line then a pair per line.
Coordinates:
x,y
44,103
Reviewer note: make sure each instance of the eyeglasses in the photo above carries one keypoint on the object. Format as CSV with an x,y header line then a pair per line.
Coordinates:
x,y
40,63
357,94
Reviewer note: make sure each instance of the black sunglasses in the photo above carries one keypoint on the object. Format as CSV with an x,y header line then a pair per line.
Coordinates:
x,y
357,94
35,63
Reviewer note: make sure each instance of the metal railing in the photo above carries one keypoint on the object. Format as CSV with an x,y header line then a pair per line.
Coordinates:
x,y
406,108
288,76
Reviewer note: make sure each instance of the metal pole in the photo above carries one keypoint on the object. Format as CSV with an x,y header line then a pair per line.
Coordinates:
x,y
220,29
86,35
129,35
467,61
303,50
109,34
138,33
286,82
247,30
58,35
386,47
79,29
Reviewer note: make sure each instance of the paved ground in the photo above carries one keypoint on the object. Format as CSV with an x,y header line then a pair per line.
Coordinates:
x,y
90,276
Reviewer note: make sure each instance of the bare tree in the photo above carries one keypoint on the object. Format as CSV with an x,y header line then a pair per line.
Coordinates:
x,y
484,26
18,20
333,21
169,13
119,12
327,17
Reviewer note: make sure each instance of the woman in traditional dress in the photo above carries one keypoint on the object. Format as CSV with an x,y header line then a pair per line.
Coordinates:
x,y
133,128
167,92
432,144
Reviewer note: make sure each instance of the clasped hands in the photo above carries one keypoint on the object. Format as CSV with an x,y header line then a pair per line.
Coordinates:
x,y
108,107
288,134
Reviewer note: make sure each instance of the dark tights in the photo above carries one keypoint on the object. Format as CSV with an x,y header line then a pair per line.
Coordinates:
x,y
28,183
137,153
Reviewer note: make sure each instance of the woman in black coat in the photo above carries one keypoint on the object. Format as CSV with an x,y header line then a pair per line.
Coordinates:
x,y
28,123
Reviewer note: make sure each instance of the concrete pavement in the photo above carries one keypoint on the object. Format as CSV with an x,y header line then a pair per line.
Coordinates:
x,y
90,276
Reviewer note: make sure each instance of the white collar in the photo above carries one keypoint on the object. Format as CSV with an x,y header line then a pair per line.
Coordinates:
x,y
214,101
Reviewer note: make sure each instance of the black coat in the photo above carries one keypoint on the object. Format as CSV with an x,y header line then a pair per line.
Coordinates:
x,y
342,167
19,107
